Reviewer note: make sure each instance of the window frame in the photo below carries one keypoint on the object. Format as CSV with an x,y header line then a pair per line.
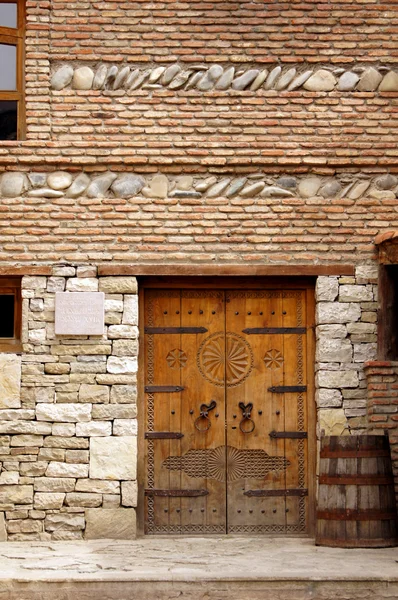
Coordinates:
x,y
16,37
12,286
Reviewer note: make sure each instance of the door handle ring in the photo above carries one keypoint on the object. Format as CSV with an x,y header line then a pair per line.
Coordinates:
x,y
247,425
204,416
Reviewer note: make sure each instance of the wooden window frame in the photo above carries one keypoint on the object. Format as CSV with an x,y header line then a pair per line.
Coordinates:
x,y
12,286
16,37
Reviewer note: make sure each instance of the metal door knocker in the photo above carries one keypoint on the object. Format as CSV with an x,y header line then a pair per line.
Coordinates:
x,y
204,416
247,424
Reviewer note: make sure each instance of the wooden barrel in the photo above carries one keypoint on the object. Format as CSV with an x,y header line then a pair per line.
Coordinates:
x,y
356,500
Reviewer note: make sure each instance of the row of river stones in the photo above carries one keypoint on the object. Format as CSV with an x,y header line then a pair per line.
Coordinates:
x,y
204,78
128,185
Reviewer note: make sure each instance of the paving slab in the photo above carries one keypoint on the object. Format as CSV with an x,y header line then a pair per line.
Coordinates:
x,y
211,568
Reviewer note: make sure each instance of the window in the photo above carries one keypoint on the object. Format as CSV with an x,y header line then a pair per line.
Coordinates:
x,y
387,338
12,31
10,314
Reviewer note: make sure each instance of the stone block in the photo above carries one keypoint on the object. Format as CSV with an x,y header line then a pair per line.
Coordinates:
x,y
327,289
10,381
124,394
32,282
18,494
356,293
125,348
58,469
364,352
66,522
118,285
116,332
48,501
332,421
94,429
98,486
361,328
337,312
114,411
116,524
337,379
334,350
30,427
331,331
72,443
69,413
77,456
94,393
85,500
130,310
125,427
328,398
82,284
367,273
81,350
9,478
113,458
27,441
3,533
129,493
122,365
36,469
54,484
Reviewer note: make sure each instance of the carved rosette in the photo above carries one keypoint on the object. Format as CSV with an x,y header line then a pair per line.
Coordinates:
x,y
225,358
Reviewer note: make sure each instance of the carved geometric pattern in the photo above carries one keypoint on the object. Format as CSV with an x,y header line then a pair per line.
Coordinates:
x,y
234,364
226,463
176,359
273,359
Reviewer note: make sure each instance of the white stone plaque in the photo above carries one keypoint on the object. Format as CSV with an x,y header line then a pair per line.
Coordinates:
x,y
79,313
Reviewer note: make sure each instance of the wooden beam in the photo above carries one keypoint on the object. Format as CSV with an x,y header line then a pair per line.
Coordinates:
x,y
14,270
226,270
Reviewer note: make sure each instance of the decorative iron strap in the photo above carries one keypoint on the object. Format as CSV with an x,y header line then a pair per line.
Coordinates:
x,y
327,453
356,480
285,389
157,389
172,330
269,493
163,435
176,493
276,330
295,435
355,515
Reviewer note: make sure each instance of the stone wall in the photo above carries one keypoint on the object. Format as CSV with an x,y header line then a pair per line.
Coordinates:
x,y
346,335
68,427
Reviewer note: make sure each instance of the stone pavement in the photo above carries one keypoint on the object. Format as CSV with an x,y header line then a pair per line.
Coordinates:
x,y
212,568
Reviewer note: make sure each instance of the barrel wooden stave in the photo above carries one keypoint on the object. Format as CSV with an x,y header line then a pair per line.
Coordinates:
x,y
360,513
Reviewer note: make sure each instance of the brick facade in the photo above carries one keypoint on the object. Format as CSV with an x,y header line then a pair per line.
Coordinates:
x,y
231,134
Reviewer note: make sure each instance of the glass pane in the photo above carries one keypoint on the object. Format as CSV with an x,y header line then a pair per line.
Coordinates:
x,y
8,120
8,68
8,15
6,316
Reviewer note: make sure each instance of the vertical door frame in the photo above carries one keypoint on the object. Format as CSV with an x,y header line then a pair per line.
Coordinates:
x,y
167,282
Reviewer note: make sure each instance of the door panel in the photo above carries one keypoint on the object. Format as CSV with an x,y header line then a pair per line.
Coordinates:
x,y
236,459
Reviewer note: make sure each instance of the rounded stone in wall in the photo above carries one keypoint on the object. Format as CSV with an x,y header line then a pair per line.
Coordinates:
x,y
386,182
59,180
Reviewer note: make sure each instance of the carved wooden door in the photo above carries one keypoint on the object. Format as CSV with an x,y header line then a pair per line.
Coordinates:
x,y
225,411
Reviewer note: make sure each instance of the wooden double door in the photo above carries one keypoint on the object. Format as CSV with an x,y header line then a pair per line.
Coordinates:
x,y
227,431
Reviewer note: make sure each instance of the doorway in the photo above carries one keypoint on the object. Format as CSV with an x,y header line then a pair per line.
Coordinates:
x,y
227,424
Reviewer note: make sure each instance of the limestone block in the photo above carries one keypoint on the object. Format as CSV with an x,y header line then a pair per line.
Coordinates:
x,y
48,501
82,284
64,429
110,379
54,484
16,414
33,282
337,379
55,284
334,350
65,442
337,312
113,458
36,469
327,289
57,368
361,328
86,500
367,273
118,285
332,421
37,336
116,332
68,413
124,394
58,469
326,398
24,526
10,381
129,493
122,364
364,352
18,494
111,501
64,521
3,533
125,348
30,427
331,331
130,310
27,441
82,350
94,393
125,427
355,293
114,411
96,428
116,524
57,454
9,478
97,486
77,456
113,305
